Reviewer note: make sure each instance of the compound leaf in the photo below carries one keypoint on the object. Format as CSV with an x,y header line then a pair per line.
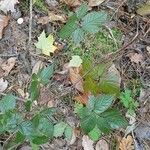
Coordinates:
x,y
92,21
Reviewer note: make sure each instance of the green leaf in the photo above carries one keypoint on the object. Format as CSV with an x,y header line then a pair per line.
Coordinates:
x,y
28,105
8,102
59,129
12,119
81,11
40,140
68,132
102,103
47,112
34,90
88,123
83,112
46,127
26,128
115,119
91,85
76,61
103,125
46,74
19,137
91,103
78,35
34,146
109,87
69,28
95,134
92,21
45,44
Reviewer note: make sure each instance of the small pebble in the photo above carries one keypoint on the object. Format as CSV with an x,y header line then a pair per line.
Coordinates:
x,y
20,21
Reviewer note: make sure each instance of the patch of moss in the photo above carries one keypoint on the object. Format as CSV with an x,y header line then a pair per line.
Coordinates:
x,y
96,45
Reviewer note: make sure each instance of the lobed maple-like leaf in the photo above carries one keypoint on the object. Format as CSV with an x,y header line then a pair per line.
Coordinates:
x,y
45,44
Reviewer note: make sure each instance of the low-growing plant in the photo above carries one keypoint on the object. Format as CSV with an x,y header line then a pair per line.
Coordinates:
x,y
99,117
37,125
82,22
128,102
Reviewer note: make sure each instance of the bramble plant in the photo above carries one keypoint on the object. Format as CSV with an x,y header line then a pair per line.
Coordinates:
x,y
41,126
128,102
82,22
97,117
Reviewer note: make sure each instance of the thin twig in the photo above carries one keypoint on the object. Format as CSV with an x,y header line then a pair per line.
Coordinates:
x,y
30,22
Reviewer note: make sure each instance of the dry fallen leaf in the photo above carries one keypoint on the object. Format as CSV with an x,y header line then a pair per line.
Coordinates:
x,y
126,143
87,143
102,145
136,58
3,85
76,79
3,23
37,67
73,3
82,98
8,5
114,74
8,65
93,3
52,17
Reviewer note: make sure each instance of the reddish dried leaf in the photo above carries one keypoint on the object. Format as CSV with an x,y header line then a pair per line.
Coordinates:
x,y
52,17
83,98
3,23
76,79
73,3
136,58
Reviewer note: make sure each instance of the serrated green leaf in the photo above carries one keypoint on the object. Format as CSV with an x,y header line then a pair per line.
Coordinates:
x,y
78,35
45,44
69,28
76,61
8,102
83,112
12,119
95,134
68,132
103,125
46,74
91,85
91,103
81,11
102,103
59,129
34,90
88,123
92,21
19,137
114,118
46,127
40,140
109,87
26,128
47,112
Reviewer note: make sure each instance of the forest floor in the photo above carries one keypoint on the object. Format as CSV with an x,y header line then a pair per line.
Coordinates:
x,y
123,45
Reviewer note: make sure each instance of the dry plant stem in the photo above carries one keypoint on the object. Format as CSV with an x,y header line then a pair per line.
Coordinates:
x,y
30,22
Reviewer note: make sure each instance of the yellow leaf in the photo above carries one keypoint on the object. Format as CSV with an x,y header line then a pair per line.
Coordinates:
x,y
45,44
